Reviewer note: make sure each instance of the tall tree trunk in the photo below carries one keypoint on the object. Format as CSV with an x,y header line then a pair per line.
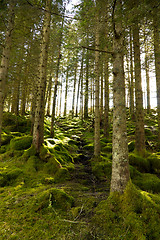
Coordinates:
x,y
81,93
66,91
131,75
5,60
74,90
38,130
147,82
78,90
102,89
140,135
49,95
106,104
55,93
120,165
97,147
86,87
157,64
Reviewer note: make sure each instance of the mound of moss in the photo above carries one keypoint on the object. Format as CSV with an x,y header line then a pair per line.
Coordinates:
x,y
140,163
9,174
13,123
102,169
147,182
132,215
21,143
154,160
53,197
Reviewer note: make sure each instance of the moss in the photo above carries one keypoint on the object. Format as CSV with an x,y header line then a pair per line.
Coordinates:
x,y
107,148
129,216
154,160
20,143
106,140
52,165
6,139
15,123
131,146
140,163
55,198
29,152
32,164
8,175
89,147
134,172
148,182
102,169
3,149
61,175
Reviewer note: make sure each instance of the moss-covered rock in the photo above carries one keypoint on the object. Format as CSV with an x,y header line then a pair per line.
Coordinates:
x,y
61,175
20,143
8,175
147,182
52,166
140,163
55,198
6,139
154,160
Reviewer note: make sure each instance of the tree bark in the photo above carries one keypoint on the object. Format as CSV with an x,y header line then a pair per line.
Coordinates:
x,y
86,87
120,164
38,130
74,89
140,135
97,147
131,78
106,104
157,64
66,90
5,59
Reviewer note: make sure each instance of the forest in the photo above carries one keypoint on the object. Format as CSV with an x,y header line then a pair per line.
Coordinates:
x,y
80,119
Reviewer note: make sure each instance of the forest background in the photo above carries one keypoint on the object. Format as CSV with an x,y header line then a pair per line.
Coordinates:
x,y
79,119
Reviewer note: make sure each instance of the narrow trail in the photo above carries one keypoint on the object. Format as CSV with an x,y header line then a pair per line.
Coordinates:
x,y
84,182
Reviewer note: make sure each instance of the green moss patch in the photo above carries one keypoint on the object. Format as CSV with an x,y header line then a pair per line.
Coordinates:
x,y
55,198
102,169
148,182
9,174
132,215
154,160
140,163
21,143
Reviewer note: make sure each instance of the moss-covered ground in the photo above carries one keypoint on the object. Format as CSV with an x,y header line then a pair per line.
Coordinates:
x,y
63,193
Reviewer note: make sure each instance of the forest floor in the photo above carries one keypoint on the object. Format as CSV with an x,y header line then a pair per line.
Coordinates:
x,y
63,193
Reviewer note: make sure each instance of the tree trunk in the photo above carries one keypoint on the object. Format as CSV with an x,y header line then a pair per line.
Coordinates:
x,y
140,136
97,147
131,78
38,130
5,60
66,91
81,93
157,64
106,105
86,88
55,93
102,89
49,95
74,90
120,165
78,90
